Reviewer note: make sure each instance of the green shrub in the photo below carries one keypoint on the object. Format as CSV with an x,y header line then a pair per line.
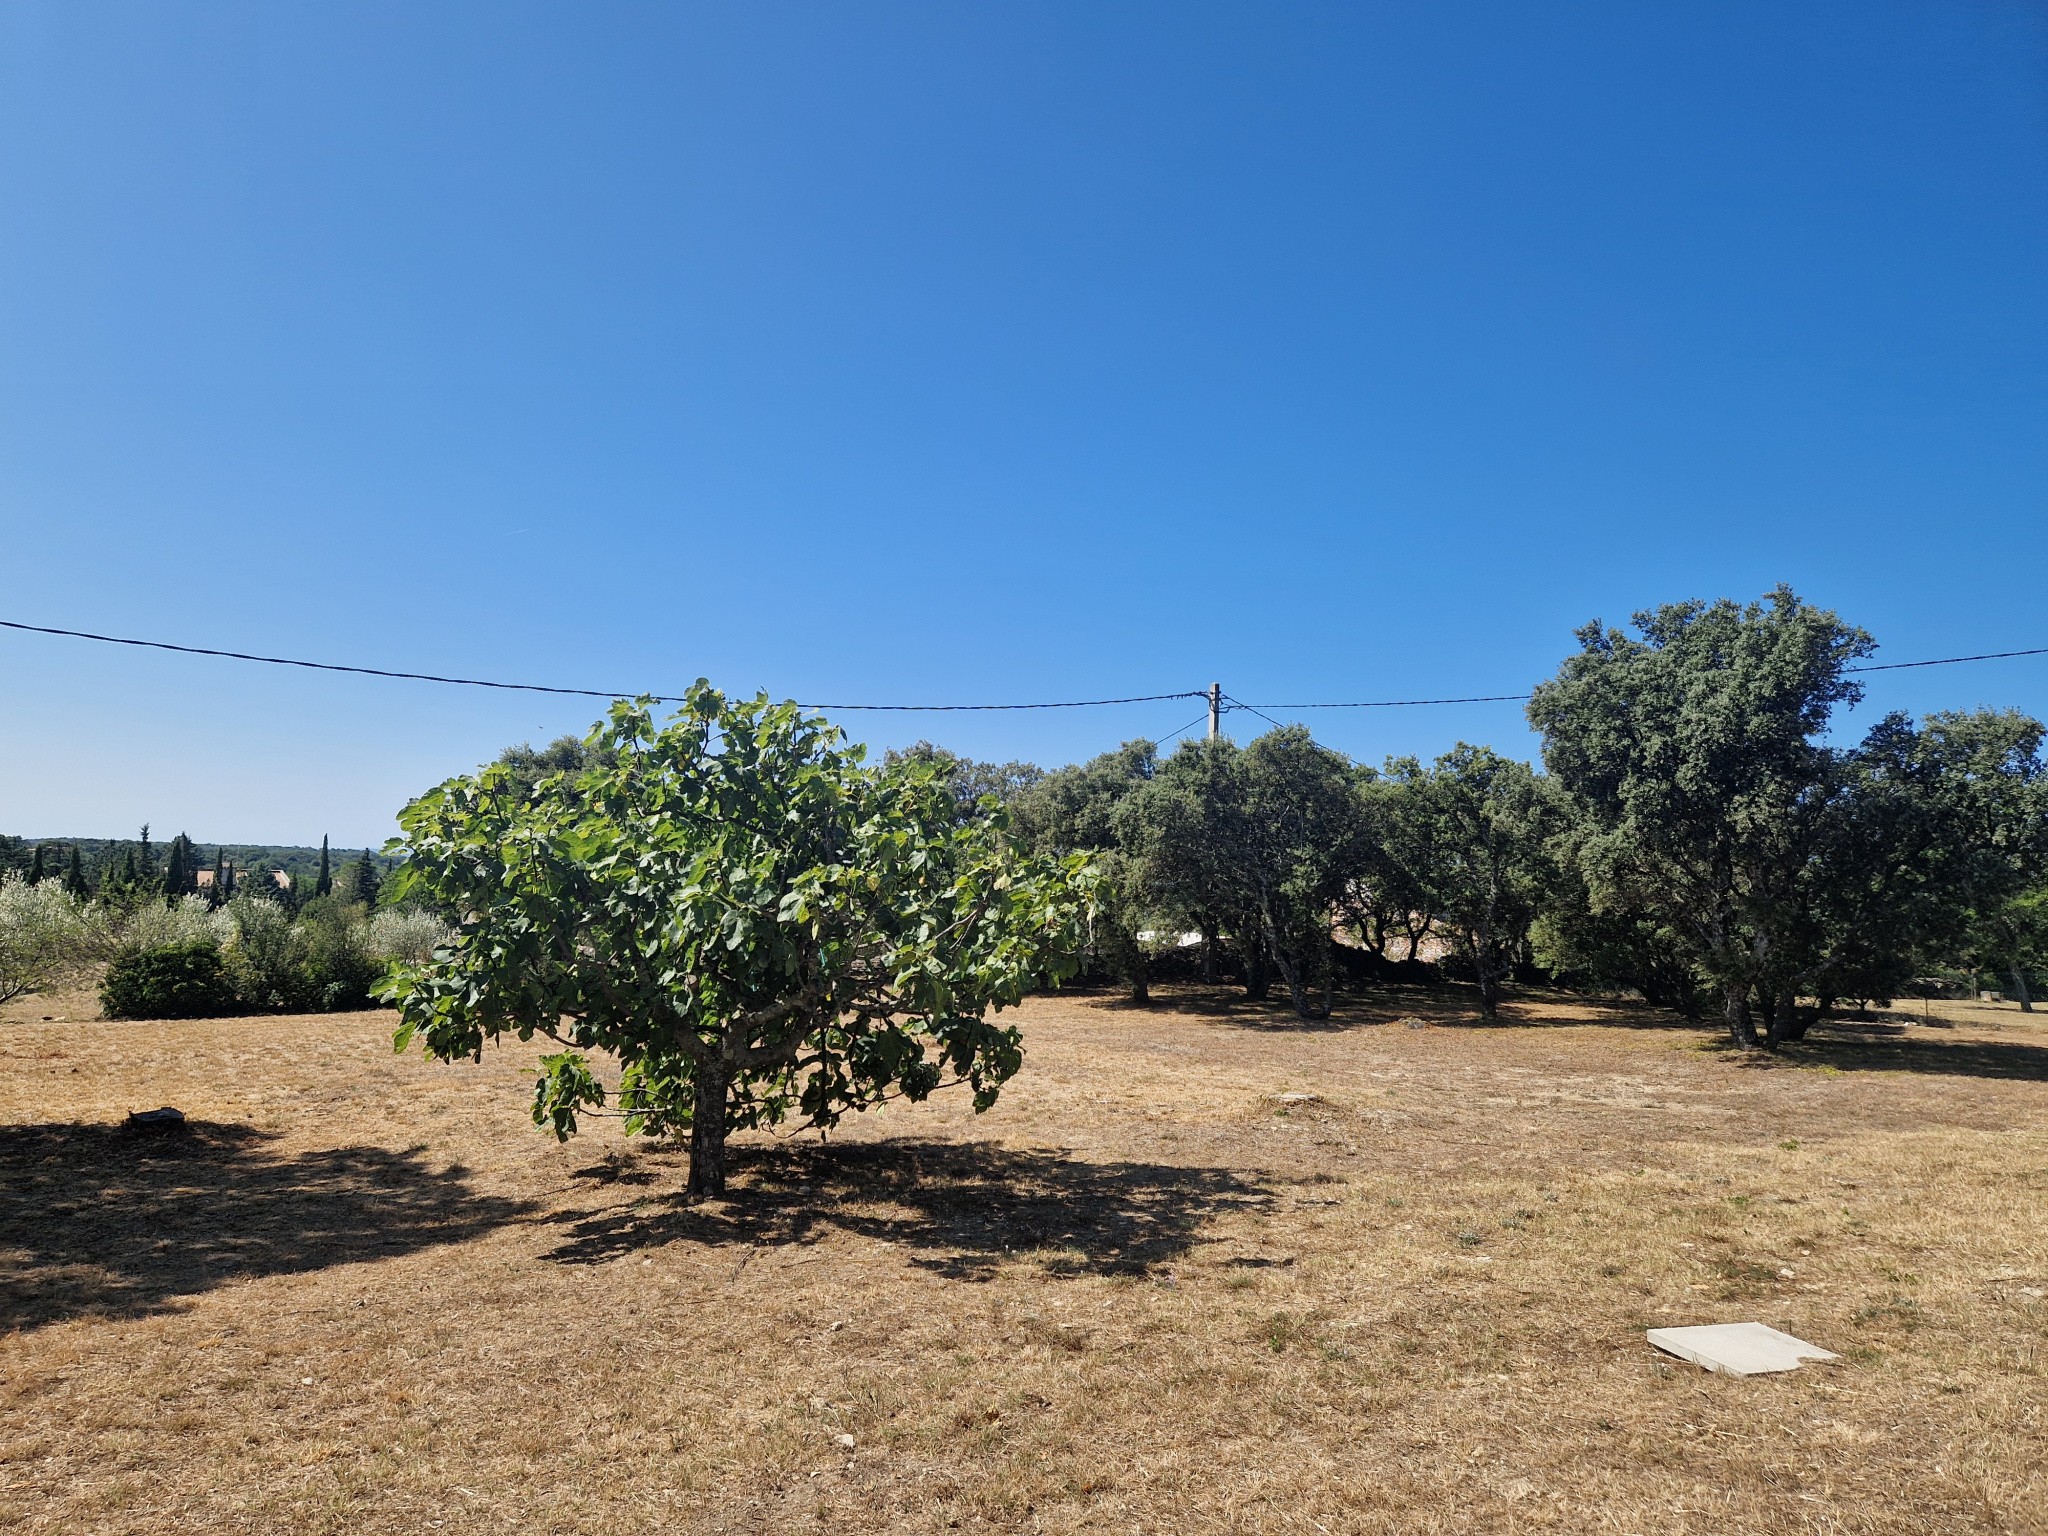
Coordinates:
x,y
171,981
320,962
339,966
267,957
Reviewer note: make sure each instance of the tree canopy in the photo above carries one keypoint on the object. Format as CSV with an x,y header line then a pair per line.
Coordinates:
x,y
970,780
1073,812
1709,808
1469,838
753,922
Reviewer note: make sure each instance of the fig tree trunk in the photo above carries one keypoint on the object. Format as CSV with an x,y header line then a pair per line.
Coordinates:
x,y
707,1128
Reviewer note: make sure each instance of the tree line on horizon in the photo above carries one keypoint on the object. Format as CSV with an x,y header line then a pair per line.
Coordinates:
x,y
115,869
1691,835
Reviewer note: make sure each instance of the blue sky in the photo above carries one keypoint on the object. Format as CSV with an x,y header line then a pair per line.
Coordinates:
x,y
977,352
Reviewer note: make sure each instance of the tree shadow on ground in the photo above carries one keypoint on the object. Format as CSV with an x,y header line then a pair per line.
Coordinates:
x,y
1586,1009
98,1220
1357,1009
1855,1050
1447,1005
961,1208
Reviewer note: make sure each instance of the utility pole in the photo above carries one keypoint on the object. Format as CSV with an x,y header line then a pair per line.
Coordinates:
x,y
1215,710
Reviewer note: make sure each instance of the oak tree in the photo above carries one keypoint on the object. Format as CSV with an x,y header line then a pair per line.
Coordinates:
x,y
1703,796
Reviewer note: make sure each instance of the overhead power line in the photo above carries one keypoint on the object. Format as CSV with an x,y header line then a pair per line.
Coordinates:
x,y
584,693
623,693
1176,734
1237,703
1515,698
1948,661
1484,698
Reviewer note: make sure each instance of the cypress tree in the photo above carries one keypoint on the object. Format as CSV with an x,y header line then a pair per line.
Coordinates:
x,y
217,892
35,867
74,875
177,867
323,884
144,867
363,880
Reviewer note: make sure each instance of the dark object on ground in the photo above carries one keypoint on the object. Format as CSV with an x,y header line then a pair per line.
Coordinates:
x,y
156,1121
177,981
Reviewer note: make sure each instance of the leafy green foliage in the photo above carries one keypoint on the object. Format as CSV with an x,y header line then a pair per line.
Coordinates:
x,y
1304,837
1073,812
971,782
1182,832
267,957
43,937
1984,775
527,765
180,868
172,981
1260,842
361,881
1710,814
755,925
1690,757
1609,949
1470,839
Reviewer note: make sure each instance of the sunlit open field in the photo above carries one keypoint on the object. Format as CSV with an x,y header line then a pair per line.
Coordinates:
x,y
1147,1292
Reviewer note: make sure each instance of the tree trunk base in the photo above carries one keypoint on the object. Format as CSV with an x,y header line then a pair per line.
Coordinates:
x,y
707,1131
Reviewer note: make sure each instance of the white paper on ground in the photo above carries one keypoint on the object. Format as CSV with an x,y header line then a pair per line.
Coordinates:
x,y
1738,1349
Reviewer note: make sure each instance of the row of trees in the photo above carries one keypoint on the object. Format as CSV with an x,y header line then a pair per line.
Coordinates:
x,y
131,872
1696,836
1269,851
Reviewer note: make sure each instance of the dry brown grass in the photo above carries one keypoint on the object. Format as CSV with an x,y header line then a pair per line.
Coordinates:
x,y
1143,1294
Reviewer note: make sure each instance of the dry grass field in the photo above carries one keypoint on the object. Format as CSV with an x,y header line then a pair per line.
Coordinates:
x,y
1145,1293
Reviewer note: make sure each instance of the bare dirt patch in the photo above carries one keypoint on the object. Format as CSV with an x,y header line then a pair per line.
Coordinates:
x,y
1203,1269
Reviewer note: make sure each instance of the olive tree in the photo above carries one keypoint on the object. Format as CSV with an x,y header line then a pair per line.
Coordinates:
x,y
755,924
47,937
